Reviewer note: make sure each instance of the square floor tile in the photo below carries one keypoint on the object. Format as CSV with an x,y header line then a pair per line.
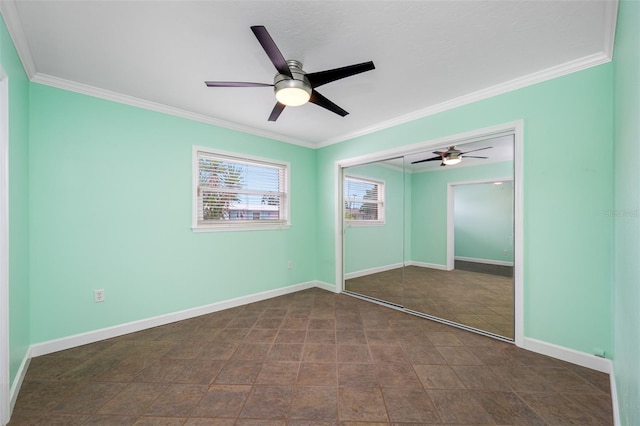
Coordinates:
x,y
177,400
361,404
409,406
222,401
353,354
134,399
268,402
316,374
314,403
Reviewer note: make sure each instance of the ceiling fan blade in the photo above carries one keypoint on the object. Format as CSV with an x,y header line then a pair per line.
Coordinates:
x,y
235,84
325,103
474,150
323,77
275,113
472,156
271,50
427,159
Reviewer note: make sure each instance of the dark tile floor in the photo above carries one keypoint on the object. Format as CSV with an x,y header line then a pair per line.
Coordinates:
x,y
476,299
309,358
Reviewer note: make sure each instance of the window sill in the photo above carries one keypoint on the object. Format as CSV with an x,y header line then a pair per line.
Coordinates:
x,y
240,227
358,224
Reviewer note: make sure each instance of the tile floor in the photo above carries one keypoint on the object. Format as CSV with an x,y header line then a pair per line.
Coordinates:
x,y
308,358
479,300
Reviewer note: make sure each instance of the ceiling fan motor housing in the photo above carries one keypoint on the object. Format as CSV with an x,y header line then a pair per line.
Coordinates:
x,y
299,81
452,152
453,155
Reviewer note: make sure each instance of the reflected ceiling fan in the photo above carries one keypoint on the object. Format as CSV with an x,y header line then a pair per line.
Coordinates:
x,y
292,85
451,156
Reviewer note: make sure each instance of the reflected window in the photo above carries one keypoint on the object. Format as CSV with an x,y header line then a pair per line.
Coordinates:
x,y
363,200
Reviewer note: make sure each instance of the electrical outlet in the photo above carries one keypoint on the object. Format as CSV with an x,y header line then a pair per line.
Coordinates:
x,y
98,296
289,265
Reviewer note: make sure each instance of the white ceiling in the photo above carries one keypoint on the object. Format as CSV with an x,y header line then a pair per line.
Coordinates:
x,y
429,55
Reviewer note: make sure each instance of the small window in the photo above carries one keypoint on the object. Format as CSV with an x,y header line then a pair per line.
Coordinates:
x,y
233,193
363,201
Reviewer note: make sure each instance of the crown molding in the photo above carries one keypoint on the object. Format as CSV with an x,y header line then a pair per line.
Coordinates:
x,y
14,25
12,21
97,92
509,86
610,19
499,89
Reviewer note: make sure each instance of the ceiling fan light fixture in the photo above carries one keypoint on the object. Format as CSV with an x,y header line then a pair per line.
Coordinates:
x,y
293,96
450,161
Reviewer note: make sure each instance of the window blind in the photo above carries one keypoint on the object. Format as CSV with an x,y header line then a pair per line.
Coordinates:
x,y
363,199
233,190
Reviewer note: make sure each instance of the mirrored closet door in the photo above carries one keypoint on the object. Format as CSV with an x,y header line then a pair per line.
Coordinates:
x,y
433,233
374,220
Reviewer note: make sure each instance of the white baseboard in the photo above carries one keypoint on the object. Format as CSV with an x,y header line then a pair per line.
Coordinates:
x,y
19,379
426,265
593,362
377,269
614,398
364,272
485,261
132,327
329,287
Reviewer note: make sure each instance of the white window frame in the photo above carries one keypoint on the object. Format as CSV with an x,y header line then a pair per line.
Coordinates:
x,y
230,225
381,202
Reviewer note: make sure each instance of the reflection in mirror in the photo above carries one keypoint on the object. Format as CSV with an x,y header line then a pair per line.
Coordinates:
x,y
483,242
373,219
445,246
461,264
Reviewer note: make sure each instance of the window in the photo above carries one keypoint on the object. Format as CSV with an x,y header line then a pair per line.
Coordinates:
x,y
363,201
233,193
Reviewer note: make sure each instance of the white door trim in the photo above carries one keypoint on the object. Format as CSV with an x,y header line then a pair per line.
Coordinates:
x,y
4,247
517,129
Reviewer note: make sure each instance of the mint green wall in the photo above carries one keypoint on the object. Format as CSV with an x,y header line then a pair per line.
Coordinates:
x,y
111,209
626,214
408,219
429,206
483,221
359,240
19,338
568,241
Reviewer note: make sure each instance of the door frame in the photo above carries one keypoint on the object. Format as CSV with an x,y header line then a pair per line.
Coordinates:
x,y
516,128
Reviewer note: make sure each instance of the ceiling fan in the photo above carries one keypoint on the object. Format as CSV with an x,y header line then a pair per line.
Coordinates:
x,y
451,156
292,85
